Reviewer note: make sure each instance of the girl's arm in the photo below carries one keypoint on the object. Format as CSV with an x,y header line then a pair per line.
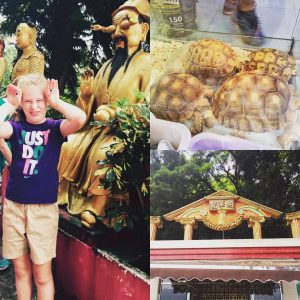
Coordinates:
x,y
14,95
5,151
75,117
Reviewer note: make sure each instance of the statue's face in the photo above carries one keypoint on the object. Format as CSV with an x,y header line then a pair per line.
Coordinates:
x,y
23,36
129,28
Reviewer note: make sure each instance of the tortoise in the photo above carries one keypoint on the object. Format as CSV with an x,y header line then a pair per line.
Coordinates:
x,y
182,98
258,102
210,60
272,61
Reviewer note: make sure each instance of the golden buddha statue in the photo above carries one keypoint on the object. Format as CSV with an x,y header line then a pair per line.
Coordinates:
x,y
120,77
3,61
31,60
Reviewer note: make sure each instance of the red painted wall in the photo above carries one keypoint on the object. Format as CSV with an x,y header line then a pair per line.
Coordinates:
x,y
83,274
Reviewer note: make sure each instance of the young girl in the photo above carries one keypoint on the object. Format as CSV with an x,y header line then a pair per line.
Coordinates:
x,y
30,210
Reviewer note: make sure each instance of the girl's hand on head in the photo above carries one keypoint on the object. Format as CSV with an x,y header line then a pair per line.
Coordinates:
x,y
14,95
51,92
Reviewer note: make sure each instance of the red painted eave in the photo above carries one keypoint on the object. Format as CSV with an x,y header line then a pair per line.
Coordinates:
x,y
225,253
225,249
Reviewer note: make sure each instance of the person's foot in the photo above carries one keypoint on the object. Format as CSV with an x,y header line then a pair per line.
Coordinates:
x,y
250,27
229,6
4,264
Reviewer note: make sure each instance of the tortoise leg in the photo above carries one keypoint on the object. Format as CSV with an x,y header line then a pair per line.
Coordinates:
x,y
204,109
198,122
290,135
210,122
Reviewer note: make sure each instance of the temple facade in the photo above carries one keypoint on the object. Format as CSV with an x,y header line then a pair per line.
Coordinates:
x,y
256,268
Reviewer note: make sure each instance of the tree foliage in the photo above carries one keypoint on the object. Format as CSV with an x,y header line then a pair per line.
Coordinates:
x,y
126,167
268,177
64,34
10,54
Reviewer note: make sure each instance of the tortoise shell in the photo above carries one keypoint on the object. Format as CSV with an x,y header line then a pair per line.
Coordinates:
x,y
176,96
272,61
254,101
211,61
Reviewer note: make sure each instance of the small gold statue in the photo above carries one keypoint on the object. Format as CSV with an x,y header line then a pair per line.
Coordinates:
x,y
3,61
120,77
31,60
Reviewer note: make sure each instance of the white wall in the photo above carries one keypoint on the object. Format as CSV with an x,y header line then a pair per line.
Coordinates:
x,y
289,290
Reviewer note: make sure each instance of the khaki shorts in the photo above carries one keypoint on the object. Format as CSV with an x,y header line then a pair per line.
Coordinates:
x,y
30,228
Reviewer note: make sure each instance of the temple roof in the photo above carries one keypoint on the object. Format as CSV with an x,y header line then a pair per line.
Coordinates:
x,y
260,209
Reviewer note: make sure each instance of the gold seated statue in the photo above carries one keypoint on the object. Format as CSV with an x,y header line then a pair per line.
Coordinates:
x,y
120,77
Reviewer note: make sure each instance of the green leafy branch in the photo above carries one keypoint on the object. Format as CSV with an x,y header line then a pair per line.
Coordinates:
x,y
126,166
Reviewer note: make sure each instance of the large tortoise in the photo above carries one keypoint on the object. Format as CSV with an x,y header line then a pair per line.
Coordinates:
x,y
258,102
210,60
272,61
182,98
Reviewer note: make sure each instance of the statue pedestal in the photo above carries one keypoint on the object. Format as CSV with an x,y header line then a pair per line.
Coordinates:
x,y
89,261
83,272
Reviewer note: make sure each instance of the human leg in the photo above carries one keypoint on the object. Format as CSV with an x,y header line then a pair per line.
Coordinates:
x,y
14,238
41,230
229,6
23,276
43,279
247,5
249,23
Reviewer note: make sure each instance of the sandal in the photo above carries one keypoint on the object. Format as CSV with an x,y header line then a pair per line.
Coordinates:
x,y
4,264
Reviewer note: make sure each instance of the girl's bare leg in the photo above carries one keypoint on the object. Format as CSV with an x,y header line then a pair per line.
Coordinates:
x,y
44,281
23,275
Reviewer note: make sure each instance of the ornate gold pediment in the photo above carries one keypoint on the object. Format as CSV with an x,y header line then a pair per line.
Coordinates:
x,y
222,211
222,227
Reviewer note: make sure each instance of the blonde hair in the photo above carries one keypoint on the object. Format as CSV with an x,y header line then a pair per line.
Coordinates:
x,y
36,79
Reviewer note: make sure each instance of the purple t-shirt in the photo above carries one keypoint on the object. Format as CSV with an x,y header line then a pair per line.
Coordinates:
x,y
33,175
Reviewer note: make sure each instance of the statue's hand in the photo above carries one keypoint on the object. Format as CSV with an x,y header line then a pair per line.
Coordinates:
x,y
108,29
97,27
104,113
14,95
86,84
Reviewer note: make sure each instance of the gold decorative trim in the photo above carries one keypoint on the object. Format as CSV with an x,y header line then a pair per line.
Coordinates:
x,y
255,210
156,220
187,221
253,220
171,216
201,211
222,227
292,216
